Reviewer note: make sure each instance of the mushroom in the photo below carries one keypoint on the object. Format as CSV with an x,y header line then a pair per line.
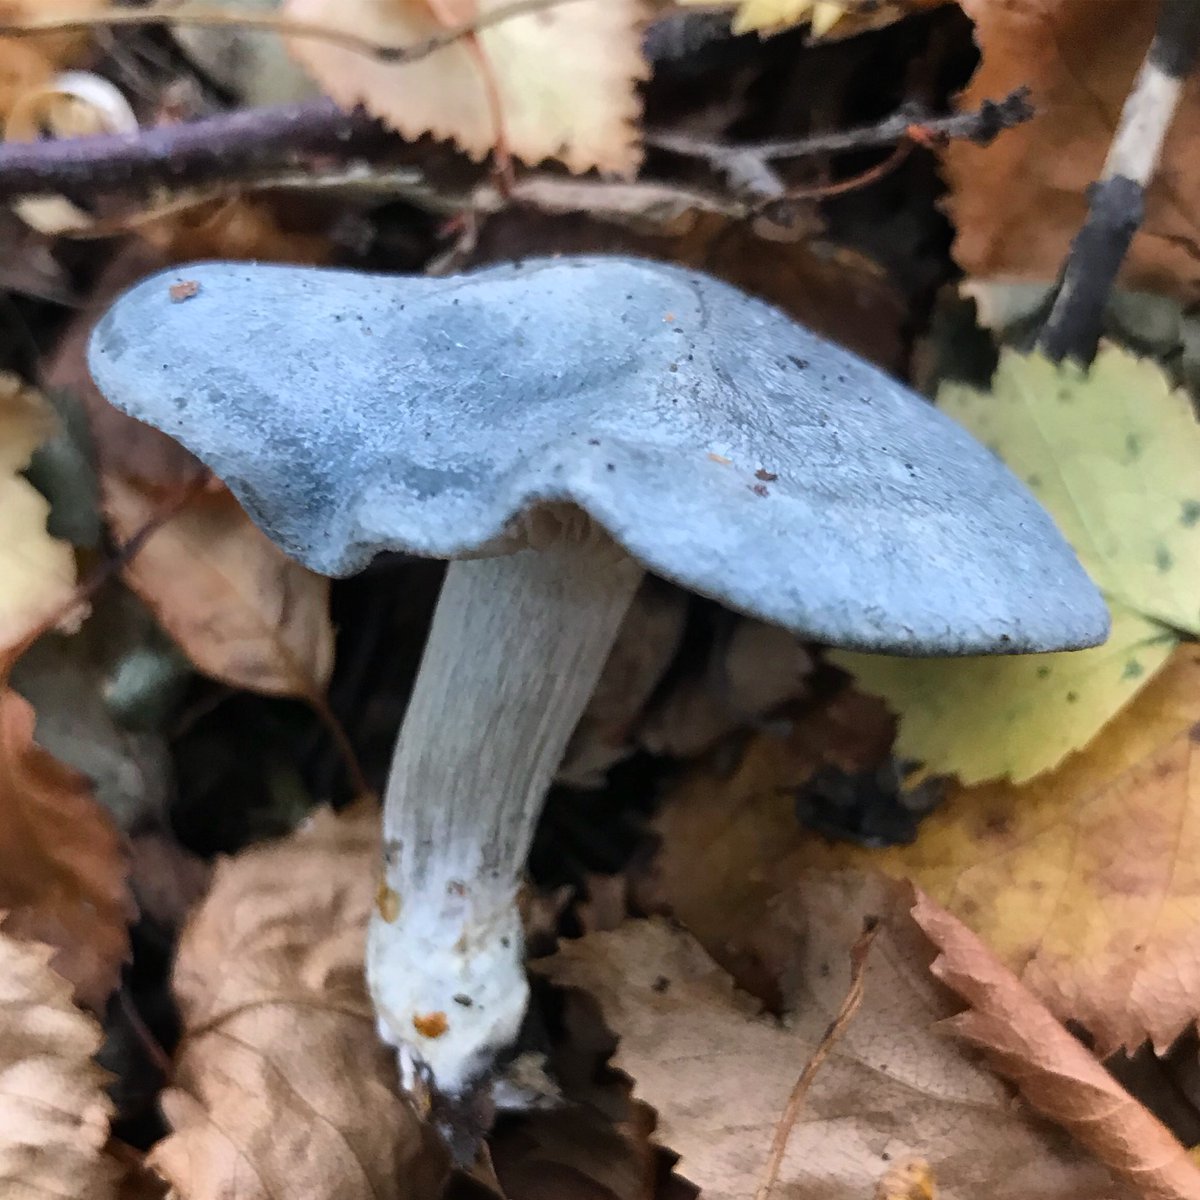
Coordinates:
x,y
555,429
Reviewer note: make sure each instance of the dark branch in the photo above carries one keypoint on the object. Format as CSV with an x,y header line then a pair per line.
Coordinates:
x,y
229,148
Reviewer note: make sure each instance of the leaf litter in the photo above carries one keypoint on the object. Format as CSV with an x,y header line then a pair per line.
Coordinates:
x,y
1073,871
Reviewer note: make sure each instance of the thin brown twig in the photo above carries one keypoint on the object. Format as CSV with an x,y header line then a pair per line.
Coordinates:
x,y
749,165
845,1014
825,191
285,26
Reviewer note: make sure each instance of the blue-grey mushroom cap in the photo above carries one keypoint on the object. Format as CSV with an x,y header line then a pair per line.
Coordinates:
x,y
726,447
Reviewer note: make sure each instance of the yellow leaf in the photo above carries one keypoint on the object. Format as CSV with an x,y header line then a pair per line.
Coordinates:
x,y
37,572
564,79
1086,882
988,717
839,18
1114,455
54,1114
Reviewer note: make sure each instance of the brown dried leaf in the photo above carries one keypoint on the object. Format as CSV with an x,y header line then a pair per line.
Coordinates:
x,y
564,79
241,610
281,1086
719,1072
54,1113
1080,69
63,867
1055,1073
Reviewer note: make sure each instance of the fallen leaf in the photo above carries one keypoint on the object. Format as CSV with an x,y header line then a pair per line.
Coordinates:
x,y
984,718
718,1071
1113,454
563,78
281,1086
839,18
54,1113
1086,882
64,875
1053,1070
1079,70
241,610
37,572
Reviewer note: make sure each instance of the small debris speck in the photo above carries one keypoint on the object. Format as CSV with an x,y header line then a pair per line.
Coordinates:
x,y
660,985
387,901
185,289
720,458
759,489
765,475
463,999
430,1025
669,318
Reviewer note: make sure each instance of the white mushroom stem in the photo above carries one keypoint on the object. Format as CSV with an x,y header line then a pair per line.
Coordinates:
x,y
516,647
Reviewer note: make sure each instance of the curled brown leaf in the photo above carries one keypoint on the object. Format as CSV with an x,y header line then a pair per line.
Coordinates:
x,y
1052,1069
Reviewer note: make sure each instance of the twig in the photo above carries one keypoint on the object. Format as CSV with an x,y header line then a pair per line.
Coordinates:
x,y
748,166
845,1014
230,148
825,191
285,26
1117,201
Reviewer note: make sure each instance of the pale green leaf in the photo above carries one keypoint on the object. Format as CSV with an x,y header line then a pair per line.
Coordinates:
x,y
1014,715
